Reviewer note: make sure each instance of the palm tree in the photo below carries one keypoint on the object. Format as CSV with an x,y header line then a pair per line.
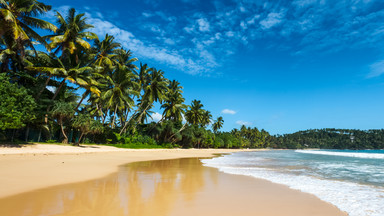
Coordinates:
x,y
17,18
195,113
71,34
81,76
120,91
175,87
173,106
47,64
105,52
206,118
174,109
218,124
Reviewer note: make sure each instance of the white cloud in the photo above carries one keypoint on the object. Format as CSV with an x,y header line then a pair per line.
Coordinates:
x,y
230,34
156,117
173,58
147,14
203,24
240,122
228,111
376,69
271,20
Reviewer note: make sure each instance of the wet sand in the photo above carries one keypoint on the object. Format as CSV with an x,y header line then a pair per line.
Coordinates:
x,y
40,166
167,188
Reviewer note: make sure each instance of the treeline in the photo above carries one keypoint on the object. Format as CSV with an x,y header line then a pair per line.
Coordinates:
x,y
330,138
86,89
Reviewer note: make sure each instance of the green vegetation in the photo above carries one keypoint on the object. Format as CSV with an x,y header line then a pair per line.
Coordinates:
x,y
331,138
83,89
16,105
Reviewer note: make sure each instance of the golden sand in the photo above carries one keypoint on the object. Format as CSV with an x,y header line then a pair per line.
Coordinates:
x,y
161,187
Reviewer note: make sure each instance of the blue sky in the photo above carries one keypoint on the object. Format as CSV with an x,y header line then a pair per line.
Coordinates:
x,y
279,65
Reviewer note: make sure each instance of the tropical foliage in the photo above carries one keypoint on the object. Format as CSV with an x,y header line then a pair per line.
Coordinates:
x,y
331,138
88,89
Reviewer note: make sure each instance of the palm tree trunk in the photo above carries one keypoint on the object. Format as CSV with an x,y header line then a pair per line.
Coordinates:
x,y
39,137
105,115
58,89
141,115
45,85
65,141
82,98
27,134
181,129
114,117
127,122
78,141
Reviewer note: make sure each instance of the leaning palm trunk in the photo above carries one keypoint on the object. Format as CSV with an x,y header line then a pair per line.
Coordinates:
x,y
142,113
181,129
56,93
78,141
65,141
58,90
114,118
45,85
82,98
130,119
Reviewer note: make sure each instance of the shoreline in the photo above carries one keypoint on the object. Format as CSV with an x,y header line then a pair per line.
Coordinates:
x,y
26,171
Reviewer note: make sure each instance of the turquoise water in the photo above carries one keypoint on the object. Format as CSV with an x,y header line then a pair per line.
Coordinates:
x,y
351,180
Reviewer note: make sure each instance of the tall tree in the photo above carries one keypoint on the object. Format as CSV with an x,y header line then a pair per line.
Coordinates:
x,y
71,34
195,113
218,124
17,20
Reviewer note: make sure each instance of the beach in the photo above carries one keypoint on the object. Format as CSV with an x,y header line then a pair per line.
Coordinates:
x,y
175,182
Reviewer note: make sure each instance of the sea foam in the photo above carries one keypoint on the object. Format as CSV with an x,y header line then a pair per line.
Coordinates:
x,y
353,198
344,154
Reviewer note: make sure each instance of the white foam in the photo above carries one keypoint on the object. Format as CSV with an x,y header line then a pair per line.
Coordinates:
x,y
344,154
353,198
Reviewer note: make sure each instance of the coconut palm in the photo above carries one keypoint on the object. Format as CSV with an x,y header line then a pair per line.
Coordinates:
x,y
81,76
120,91
155,89
47,64
206,118
195,113
105,52
72,33
218,124
173,106
17,20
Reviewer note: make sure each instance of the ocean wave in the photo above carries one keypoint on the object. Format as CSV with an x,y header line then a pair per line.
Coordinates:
x,y
353,198
344,154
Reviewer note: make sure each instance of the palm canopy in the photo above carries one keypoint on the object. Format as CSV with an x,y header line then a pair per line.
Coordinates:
x,y
206,118
218,124
173,106
195,113
17,20
54,66
155,90
105,52
120,90
72,32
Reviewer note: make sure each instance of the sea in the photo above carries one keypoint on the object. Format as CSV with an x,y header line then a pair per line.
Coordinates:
x,y
351,180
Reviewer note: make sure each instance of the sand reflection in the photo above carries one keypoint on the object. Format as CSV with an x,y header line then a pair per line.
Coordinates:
x,y
138,189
